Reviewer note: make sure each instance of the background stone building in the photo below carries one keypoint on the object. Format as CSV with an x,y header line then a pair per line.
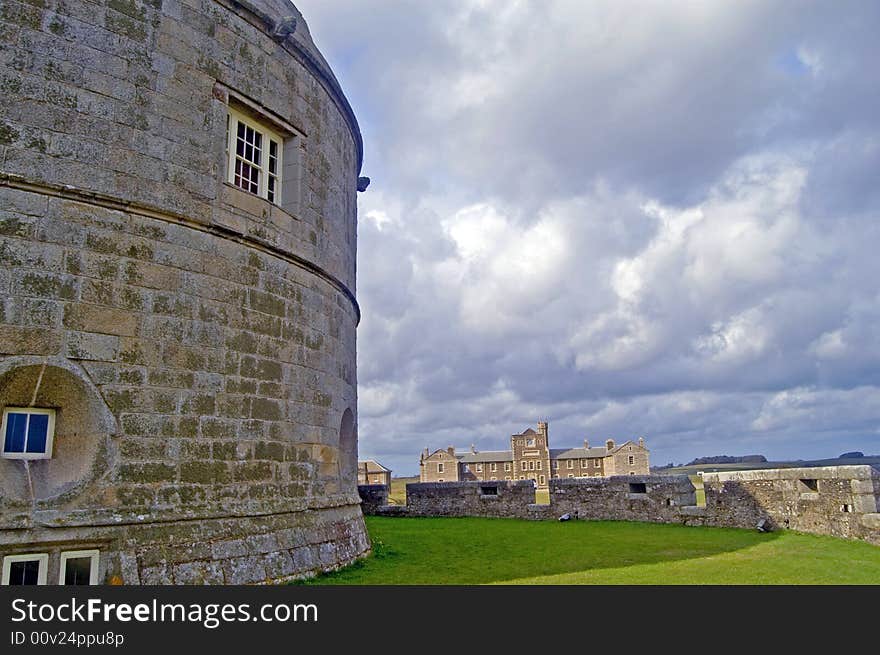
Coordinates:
x,y
531,458
177,309
372,472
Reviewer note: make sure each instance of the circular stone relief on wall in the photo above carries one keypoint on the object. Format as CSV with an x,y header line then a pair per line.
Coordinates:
x,y
83,427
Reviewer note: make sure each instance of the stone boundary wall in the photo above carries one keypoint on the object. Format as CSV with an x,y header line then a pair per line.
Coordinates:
x,y
496,498
841,501
373,496
652,498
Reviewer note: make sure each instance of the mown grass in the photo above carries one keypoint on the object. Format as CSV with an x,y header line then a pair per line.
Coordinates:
x,y
509,551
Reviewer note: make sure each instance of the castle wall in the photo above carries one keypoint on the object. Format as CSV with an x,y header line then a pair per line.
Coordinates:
x,y
492,498
373,496
841,501
196,341
623,498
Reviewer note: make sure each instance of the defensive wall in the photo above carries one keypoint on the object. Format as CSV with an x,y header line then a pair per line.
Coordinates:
x,y
841,501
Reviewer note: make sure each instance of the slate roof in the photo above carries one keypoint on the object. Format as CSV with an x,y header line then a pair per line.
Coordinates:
x,y
373,466
485,456
577,453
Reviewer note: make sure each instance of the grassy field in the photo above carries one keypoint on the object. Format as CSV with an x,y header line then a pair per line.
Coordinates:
x,y
509,551
397,493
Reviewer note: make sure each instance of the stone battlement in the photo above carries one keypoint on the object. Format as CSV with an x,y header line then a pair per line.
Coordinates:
x,y
841,501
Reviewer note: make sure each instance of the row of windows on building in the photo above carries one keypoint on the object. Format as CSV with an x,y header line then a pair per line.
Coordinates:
x,y
536,465
77,567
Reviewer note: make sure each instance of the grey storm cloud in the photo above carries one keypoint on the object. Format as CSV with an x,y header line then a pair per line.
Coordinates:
x,y
628,218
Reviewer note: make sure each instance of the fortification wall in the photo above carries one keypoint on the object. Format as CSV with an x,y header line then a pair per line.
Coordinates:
x,y
622,498
496,498
373,496
842,501
197,342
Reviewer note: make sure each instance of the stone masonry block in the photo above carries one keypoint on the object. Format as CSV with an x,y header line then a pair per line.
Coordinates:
x,y
88,345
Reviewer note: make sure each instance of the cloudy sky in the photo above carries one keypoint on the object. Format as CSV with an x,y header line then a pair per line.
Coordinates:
x,y
630,219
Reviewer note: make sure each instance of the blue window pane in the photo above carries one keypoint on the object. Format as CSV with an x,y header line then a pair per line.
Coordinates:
x,y
15,427
37,431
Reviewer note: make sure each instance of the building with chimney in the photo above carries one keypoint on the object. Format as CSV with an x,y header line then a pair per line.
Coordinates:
x,y
531,458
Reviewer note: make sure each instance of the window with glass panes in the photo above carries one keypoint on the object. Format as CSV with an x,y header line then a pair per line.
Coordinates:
x,y
253,156
27,433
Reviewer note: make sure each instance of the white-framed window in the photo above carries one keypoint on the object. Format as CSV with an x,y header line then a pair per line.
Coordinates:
x,y
631,460
523,465
27,569
569,463
254,152
479,468
79,567
539,465
506,466
439,467
583,463
507,477
595,463
541,479
494,478
28,433
493,467
531,466
571,475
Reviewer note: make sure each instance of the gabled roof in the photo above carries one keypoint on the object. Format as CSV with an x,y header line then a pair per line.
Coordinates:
x,y
373,466
627,443
528,431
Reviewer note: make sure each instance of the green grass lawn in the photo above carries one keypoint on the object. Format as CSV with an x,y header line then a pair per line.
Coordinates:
x,y
510,551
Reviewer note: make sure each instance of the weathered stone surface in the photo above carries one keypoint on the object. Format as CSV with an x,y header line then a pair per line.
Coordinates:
x,y
173,311
490,498
841,501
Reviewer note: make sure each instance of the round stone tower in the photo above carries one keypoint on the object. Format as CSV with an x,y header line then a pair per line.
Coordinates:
x,y
177,295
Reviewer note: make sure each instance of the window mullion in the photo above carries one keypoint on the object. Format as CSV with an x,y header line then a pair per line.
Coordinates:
x,y
230,147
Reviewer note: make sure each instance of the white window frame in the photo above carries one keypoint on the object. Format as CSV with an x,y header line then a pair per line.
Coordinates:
x,y
493,467
479,468
95,556
569,464
268,134
42,558
50,433
506,466
631,460
541,479
440,467
523,466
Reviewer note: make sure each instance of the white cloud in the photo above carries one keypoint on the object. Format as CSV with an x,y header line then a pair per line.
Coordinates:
x,y
625,219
